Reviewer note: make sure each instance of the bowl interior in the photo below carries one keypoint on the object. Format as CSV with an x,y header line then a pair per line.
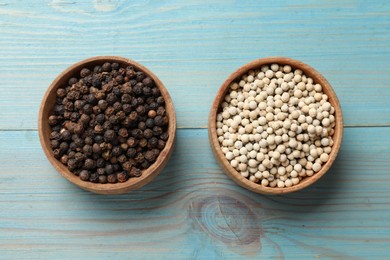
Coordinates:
x,y
44,128
308,71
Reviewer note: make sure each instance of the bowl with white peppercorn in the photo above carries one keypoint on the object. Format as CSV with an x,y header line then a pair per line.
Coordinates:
x,y
107,124
275,125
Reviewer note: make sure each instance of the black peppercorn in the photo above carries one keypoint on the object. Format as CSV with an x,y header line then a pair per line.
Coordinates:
x,y
149,123
121,115
160,144
64,159
74,116
122,158
87,109
134,172
106,67
112,178
52,120
164,136
156,92
131,152
78,128
141,110
147,91
72,146
133,116
157,131
78,104
102,179
115,66
126,98
55,135
57,153
102,104
145,165
140,76
123,132
94,177
109,169
91,99
148,133
79,157
54,144
84,175
59,110
89,164
127,165
158,121
161,111
142,126
111,98
72,164
96,148
56,128
69,106
66,135
122,177
100,118
100,162
97,69
148,82
117,106
84,119
136,133
61,92
72,81
98,139
127,108
96,110
87,150
152,142
150,156
160,100
116,151
84,72
137,89
64,146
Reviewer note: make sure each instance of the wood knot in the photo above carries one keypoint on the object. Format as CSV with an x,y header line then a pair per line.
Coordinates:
x,y
225,218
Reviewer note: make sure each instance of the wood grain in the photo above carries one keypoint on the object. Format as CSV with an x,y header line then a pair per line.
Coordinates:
x,y
194,211
193,46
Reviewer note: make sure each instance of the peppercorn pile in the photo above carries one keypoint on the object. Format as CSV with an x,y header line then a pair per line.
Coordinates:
x,y
276,126
109,124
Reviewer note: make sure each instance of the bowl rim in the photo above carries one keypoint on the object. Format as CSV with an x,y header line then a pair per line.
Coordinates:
x,y
108,188
216,148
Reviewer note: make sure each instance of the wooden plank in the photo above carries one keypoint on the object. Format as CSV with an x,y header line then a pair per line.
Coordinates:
x,y
193,46
193,211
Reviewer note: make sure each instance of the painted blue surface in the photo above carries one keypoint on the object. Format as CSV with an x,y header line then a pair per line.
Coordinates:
x,y
192,210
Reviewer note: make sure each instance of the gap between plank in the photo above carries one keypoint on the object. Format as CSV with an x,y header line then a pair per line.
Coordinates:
x,y
188,128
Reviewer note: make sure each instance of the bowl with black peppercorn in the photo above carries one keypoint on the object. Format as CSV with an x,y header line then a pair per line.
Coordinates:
x,y
275,125
107,124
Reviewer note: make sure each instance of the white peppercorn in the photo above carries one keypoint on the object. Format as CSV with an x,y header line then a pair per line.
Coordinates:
x,y
276,126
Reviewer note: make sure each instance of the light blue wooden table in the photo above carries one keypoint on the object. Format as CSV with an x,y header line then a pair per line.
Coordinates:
x,y
192,210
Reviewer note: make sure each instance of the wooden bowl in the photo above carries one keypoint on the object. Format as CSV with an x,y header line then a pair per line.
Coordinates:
x,y
215,146
44,129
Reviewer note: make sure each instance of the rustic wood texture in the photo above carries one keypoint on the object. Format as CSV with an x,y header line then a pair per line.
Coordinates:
x,y
216,108
192,210
46,109
193,46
